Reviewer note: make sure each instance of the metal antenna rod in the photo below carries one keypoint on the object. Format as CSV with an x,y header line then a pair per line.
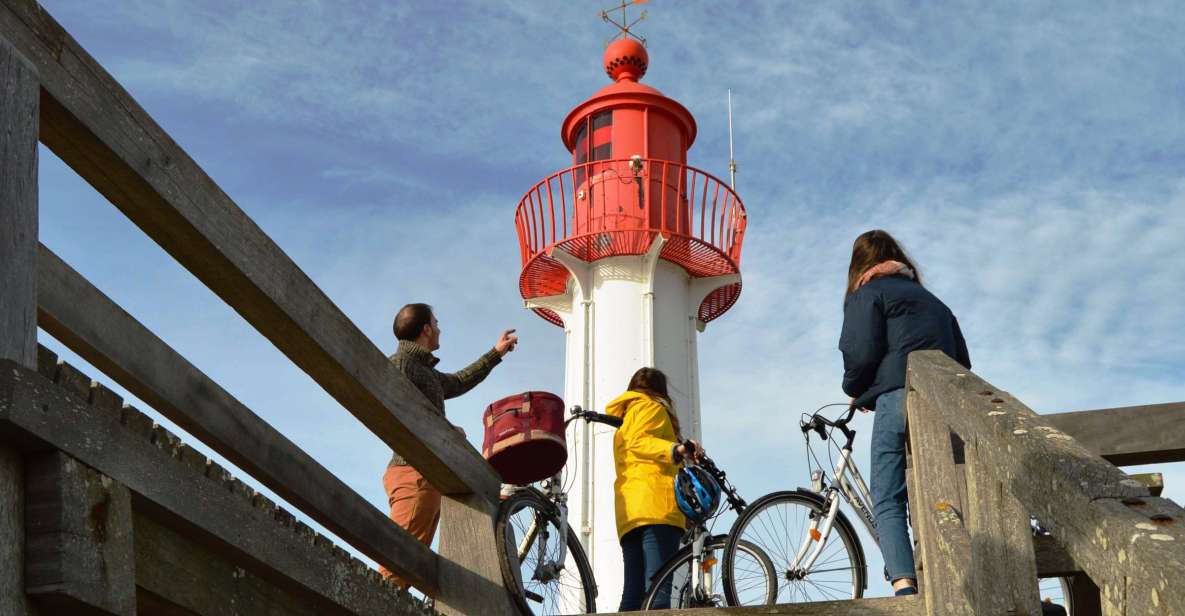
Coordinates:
x,y
732,163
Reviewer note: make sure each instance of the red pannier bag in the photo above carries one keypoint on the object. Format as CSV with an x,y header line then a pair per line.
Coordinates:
x,y
524,437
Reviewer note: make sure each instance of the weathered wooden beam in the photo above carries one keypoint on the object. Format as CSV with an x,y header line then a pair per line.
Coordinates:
x,y
945,545
78,550
19,85
80,316
468,545
176,485
1004,565
1131,544
1127,436
18,206
99,130
177,574
883,606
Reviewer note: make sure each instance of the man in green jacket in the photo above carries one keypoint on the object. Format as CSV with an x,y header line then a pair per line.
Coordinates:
x,y
415,503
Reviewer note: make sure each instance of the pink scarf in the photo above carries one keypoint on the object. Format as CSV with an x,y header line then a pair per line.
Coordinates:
x,y
884,268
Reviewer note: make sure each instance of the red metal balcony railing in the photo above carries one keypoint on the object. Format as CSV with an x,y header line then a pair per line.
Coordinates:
x,y
618,207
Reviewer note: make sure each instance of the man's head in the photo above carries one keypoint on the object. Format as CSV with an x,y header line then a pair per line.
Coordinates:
x,y
416,323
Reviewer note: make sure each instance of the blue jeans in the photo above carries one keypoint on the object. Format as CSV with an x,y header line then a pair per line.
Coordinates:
x,y
889,502
646,549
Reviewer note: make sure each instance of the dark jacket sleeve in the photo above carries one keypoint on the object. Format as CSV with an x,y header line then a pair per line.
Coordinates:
x,y
961,354
468,377
862,341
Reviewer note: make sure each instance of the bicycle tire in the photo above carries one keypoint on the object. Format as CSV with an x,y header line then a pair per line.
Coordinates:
x,y
680,597
539,596
763,516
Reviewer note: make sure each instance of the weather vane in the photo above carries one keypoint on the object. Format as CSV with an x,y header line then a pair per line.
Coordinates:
x,y
625,24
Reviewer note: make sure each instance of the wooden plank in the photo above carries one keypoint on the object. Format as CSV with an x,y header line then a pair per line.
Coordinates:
x,y
882,606
13,600
178,486
1004,565
1126,436
1052,559
98,129
1154,481
80,316
18,206
1131,544
179,575
946,577
78,555
468,545
18,292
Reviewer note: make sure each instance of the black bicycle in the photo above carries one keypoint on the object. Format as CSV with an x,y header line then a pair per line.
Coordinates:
x,y
542,559
692,577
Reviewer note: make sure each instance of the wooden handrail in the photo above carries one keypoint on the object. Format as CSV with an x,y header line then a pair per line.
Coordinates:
x,y
1131,544
1131,435
73,311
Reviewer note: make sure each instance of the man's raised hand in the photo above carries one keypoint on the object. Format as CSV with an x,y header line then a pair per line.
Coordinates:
x,y
506,342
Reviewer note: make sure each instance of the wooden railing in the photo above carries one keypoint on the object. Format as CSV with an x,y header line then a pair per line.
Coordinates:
x,y
973,519
52,90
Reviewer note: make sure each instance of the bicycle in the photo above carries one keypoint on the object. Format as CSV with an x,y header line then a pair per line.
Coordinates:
x,y
812,565
541,557
691,578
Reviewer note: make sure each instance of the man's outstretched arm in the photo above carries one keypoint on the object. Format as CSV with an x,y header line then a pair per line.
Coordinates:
x,y
467,378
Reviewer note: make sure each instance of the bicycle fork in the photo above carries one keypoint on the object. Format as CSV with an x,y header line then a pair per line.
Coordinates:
x,y
817,536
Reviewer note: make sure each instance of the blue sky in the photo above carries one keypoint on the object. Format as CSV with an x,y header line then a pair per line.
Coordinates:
x,y
1029,155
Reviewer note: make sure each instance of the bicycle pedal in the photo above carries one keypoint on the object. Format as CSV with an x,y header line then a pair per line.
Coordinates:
x,y
536,597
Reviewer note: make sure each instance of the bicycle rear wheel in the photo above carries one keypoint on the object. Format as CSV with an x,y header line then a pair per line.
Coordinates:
x,y
779,525
674,584
529,529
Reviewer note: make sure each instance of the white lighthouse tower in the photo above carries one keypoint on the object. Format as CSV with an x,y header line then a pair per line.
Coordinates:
x,y
632,253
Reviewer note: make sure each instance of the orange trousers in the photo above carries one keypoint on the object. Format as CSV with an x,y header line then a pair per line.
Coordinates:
x,y
415,505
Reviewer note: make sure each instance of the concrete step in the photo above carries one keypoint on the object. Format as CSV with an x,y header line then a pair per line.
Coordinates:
x,y
881,606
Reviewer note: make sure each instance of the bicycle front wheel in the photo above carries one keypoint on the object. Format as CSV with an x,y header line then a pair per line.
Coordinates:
x,y
675,585
785,526
545,578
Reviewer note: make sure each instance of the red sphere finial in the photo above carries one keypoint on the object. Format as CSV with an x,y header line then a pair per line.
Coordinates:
x,y
626,59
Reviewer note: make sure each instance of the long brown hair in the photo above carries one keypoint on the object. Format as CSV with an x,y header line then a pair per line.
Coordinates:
x,y
871,248
653,382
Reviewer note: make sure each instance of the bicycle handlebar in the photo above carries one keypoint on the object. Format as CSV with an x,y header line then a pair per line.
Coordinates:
x,y
819,423
579,413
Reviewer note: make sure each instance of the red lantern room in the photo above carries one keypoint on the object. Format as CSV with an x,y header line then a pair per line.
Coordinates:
x,y
628,185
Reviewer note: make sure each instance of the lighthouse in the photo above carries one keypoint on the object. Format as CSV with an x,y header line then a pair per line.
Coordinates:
x,y
632,253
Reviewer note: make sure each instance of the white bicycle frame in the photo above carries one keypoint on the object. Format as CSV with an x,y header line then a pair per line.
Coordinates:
x,y
850,485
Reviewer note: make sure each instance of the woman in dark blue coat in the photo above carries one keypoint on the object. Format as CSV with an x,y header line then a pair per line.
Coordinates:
x,y
887,314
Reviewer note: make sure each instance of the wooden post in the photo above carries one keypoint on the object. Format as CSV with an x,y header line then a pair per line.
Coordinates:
x,y
78,556
470,572
945,544
19,99
1004,564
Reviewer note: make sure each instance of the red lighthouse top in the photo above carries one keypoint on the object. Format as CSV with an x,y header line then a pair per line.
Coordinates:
x,y
629,186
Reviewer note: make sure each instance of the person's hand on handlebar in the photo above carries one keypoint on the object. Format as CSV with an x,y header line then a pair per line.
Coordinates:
x,y
852,402
688,448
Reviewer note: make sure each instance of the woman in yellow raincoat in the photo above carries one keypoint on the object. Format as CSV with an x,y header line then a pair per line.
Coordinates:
x,y
646,451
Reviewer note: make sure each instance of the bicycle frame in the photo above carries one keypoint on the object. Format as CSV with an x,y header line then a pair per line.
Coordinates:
x,y
545,570
849,485
701,567
553,492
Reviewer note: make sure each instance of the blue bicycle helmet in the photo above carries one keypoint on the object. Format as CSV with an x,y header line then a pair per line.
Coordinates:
x,y
697,493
